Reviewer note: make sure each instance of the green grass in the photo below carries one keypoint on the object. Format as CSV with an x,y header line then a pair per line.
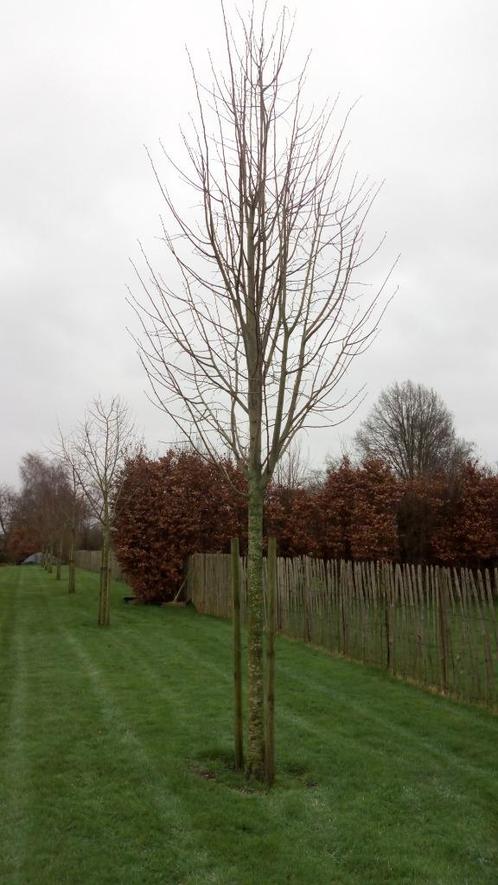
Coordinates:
x,y
114,749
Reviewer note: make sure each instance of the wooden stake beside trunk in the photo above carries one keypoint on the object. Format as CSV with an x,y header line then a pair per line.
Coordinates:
x,y
270,663
237,657
255,760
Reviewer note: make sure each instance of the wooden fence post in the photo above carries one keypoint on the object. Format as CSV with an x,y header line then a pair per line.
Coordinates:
x,y
306,599
388,597
270,664
443,628
237,657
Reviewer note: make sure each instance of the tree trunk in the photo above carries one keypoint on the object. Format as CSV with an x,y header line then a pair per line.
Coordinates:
x,y
104,606
255,767
59,561
71,578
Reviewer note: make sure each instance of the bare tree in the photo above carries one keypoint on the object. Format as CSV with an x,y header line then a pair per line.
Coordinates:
x,y
252,341
7,503
96,454
292,470
8,500
413,431
42,504
76,508
76,516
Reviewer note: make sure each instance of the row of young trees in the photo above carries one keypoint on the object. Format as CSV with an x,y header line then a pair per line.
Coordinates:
x,y
70,495
44,516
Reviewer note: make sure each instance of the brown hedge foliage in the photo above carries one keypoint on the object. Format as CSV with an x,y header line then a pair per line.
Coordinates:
x,y
466,529
418,516
374,533
168,508
293,517
451,519
178,504
358,512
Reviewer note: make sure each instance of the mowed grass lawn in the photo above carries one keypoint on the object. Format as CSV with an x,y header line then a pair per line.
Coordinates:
x,y
113,741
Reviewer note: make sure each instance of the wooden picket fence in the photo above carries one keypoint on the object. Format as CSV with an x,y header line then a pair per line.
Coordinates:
x,y
90,561
431,625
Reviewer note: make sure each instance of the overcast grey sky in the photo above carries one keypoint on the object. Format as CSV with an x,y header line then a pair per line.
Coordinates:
x,y
85,85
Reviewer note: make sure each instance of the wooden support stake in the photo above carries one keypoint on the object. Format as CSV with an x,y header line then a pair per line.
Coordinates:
x,y
237,657
270,664
443,628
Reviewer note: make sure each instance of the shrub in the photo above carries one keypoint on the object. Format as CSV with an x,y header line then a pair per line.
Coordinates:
x,y
169,508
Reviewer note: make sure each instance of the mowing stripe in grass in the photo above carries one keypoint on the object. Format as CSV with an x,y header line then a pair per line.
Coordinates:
x,y
165,795
345,706
158,791
13,752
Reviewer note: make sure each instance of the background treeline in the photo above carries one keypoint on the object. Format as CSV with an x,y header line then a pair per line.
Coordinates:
x,y
178,504
414,491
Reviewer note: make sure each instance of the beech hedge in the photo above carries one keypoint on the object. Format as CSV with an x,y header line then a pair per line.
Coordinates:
x,y
172,506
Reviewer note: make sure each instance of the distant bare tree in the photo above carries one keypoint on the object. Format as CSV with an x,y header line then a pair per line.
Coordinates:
x,y
76,508
43,502
8,500
252,342
293,469
76,516
413,431
96,453
7,503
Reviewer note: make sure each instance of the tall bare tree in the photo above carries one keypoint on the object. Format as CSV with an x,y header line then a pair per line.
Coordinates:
x,y
252,340
412,429
96,453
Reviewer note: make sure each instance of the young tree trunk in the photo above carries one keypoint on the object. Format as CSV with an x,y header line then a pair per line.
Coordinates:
x,y
59,561
71,578
104,607
255,767
101,585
